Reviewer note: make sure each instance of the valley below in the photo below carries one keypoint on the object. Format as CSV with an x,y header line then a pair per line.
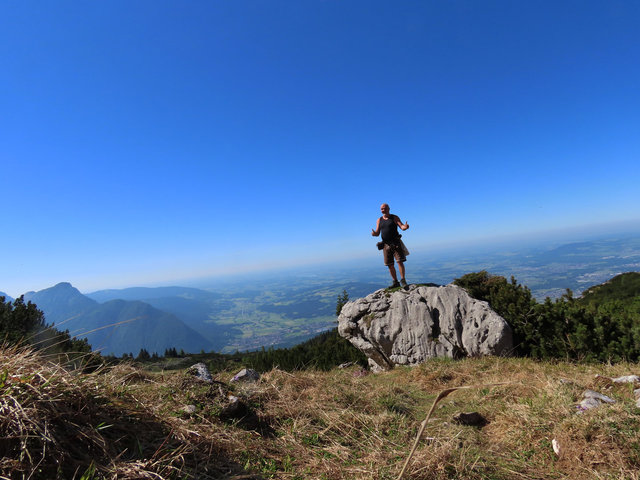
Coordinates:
x,y
281,309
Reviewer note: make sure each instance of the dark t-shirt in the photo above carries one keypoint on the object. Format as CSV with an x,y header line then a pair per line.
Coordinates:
x,y
389,230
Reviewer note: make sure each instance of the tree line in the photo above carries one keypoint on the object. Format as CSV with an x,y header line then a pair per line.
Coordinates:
x,y
602,325
23,324
322,352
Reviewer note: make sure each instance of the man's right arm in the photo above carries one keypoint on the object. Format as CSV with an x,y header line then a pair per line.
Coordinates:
x,y
376,232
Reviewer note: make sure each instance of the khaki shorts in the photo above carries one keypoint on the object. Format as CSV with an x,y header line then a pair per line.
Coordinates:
x,y
393,251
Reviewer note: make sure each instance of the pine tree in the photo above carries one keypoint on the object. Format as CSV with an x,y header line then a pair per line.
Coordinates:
x,y
19,322
342,300
143,355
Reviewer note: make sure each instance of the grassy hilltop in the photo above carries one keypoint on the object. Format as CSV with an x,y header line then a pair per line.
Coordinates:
x,y
126,423
69,414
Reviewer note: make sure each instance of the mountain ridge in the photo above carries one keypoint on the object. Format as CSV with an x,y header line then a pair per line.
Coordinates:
x,y
117,326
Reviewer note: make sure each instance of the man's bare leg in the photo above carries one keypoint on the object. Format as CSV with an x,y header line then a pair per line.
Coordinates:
x,y
401,268
392,271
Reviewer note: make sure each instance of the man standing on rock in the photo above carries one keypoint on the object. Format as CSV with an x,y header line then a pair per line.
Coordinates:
x,y
392,245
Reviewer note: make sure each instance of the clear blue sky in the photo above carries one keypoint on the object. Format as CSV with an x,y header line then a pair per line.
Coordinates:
x,y
146,141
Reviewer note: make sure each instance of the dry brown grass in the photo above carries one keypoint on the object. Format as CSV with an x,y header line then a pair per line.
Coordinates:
x,y
58,424
126,423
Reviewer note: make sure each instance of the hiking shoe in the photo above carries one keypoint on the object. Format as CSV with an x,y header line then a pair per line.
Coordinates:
x,y
395,284
403,282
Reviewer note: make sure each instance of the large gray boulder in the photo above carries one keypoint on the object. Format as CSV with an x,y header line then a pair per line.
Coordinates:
x,y
407,327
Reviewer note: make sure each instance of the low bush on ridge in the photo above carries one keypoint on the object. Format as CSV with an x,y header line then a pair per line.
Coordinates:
x,y
605,327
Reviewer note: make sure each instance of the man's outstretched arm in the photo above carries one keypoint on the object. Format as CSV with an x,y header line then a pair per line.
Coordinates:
x,y
376,232
403,226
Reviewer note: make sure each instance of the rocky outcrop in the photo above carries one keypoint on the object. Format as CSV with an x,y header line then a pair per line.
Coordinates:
x,y
592,399
201,372
246,375
408,327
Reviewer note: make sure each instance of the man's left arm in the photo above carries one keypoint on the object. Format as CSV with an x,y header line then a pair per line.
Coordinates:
x,y
403,226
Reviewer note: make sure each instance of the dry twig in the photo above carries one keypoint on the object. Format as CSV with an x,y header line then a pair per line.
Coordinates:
x,y
444,393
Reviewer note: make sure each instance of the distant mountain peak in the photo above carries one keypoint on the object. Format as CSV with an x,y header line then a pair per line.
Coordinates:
x,y
61,297
64,288
116,326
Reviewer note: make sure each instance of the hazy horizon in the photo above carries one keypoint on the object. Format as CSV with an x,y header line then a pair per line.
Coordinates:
x,y
372,260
